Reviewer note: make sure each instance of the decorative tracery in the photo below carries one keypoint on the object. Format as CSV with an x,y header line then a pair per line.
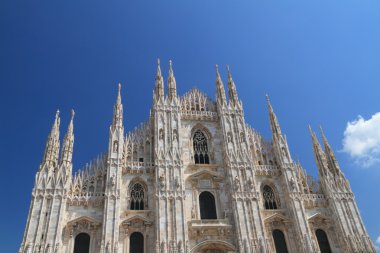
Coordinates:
x,y
201,155
137,197
269,198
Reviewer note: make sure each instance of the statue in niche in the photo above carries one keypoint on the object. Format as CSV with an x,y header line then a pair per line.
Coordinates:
x,y
115,250
176,182
175,135
112,180
237,183
292,184
115,146
229,137
108,248
162,181
225,213
250,184
161,134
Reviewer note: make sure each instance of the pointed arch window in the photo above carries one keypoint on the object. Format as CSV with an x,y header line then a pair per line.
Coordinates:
x,y
279,241
82,243
269,198
136,243
207,206
201,155
323,241
137,197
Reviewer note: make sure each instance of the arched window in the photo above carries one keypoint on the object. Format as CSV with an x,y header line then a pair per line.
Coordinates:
x,y
82,243
207,206
279,241
136,243
323,242
269,198
137,197
200,148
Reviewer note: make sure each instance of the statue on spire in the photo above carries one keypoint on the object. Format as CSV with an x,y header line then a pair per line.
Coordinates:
x,y
68,143
117,121
172,86
52,144
159,84
220,92
274,125
232,93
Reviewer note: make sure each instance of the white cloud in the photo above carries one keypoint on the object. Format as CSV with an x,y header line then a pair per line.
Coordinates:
x,y
378,240
362,140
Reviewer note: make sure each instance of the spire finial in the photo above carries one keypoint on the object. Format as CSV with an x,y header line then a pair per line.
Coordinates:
x,y
229,72
158,68
217,70
72,114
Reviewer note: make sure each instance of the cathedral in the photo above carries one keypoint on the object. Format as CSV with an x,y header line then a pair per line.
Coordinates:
x,y
193,178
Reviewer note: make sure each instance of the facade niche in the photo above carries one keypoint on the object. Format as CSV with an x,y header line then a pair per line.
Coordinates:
x,y
82,243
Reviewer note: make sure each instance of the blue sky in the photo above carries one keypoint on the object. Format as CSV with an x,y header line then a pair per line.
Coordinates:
x,y
318,61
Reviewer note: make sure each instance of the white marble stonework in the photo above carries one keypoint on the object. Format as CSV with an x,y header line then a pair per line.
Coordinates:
x,y
195,177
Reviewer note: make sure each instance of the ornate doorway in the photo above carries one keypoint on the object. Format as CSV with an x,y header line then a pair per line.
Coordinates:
x,y
136,243
82,243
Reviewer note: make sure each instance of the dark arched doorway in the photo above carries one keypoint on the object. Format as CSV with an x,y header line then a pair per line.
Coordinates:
x,y
207,206
279,241
82,243
323,242
136,243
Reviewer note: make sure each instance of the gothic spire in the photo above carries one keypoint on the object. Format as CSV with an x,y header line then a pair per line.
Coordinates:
x,y
274,125
220,92
172,86
232,93
117,121
318,153
330,156
52,143
159,84
68,142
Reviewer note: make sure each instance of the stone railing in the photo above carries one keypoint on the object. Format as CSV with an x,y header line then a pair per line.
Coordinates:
x,y
138,167
314,200
266,170
199,115
210,223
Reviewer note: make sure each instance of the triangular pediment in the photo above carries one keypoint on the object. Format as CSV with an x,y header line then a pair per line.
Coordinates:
x,y
205,174
318,216
84,219
276,217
